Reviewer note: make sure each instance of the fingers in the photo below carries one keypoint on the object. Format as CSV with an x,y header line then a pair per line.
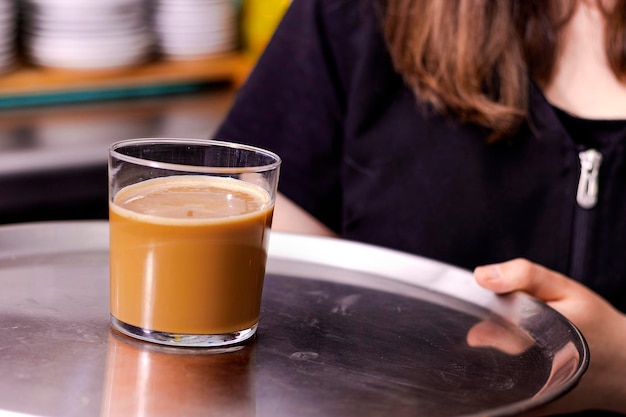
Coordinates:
x,y
523,275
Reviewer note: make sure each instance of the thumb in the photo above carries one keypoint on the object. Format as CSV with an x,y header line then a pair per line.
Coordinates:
x,y
523,275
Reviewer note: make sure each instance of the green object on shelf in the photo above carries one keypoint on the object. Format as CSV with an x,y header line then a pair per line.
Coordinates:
x,y
42,99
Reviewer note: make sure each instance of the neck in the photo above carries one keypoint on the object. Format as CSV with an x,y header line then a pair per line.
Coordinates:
x,y
583,83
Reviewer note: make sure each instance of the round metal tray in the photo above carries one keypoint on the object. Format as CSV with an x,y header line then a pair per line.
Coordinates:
x,y
347,329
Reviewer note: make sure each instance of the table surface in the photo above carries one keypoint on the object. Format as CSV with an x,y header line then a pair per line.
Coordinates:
x,y
346,329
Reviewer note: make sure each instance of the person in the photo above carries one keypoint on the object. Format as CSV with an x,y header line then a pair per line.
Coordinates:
x,y
486,134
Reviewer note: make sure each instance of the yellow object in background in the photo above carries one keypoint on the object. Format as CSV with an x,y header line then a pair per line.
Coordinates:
x,y
259,20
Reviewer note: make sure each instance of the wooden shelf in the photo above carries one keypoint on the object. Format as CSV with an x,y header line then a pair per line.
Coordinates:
x,y
29,80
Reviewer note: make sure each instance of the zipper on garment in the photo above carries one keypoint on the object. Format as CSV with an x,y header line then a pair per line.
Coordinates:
x,y
586,199
587,193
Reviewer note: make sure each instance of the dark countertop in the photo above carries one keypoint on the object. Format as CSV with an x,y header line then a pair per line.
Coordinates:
x,y
53,158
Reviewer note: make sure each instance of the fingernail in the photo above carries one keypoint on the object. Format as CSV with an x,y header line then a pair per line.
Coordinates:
x,y
490,272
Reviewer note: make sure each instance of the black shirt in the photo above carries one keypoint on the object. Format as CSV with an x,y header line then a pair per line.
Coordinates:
x,y
362,155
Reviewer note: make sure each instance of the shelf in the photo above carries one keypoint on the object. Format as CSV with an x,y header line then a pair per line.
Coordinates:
x,y
34,81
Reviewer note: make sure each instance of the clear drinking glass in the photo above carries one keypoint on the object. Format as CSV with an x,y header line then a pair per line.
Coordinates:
x,y
189,227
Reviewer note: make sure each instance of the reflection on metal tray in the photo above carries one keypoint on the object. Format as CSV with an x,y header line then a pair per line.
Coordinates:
x,y
347,329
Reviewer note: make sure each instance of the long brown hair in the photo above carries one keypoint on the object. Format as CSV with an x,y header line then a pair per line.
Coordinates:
x,y
473,58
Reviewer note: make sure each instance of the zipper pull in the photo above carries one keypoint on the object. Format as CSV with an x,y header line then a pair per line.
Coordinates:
x,y
587,194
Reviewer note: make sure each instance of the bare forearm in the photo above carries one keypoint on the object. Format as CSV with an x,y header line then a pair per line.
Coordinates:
x,y
289,217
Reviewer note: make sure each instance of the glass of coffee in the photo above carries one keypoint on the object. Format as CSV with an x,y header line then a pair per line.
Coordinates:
x,y
189,223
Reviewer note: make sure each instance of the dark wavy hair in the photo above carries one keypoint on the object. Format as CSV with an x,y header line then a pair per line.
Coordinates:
x,y
473,58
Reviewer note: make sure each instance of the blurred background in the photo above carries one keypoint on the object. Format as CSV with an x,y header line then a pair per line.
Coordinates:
x,y
76,76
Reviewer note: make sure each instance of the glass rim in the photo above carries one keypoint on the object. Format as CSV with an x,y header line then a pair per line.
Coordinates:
x,y
209,169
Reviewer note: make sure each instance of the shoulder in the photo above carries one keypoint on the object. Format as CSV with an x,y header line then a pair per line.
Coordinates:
x,y
340,23
343,34
338,14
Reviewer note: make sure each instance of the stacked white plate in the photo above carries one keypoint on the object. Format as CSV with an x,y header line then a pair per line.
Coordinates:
x,y
189,29
8,39
95,34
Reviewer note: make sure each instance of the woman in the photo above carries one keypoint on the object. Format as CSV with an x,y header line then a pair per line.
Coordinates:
x,y
476,132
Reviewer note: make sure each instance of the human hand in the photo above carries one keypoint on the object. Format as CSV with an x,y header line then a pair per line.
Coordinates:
x,y
603,387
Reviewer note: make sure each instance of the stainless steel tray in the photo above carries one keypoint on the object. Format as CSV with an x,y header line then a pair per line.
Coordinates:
x,y
347,329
